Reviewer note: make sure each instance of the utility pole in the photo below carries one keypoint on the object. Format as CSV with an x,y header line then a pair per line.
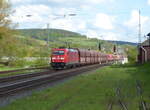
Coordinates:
x,y
48,27
48,35
139,35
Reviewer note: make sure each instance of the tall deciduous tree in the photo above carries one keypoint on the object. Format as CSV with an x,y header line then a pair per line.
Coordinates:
x,y
7,41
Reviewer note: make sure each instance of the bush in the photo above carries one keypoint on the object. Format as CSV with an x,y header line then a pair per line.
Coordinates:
x,y
39,62
18,63
29,63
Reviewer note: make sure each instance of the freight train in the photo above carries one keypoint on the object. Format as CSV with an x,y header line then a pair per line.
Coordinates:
x,y
73,57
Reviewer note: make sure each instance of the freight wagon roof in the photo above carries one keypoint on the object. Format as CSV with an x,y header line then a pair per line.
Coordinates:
x,y
82,52
66,49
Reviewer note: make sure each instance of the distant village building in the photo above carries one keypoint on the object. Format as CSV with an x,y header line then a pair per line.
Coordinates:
x,y
124,60
144,52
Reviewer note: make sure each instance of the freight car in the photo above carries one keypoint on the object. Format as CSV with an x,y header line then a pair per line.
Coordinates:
x,y
73,57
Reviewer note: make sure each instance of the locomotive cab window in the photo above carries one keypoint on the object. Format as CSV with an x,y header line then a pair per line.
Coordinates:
x,y
58,52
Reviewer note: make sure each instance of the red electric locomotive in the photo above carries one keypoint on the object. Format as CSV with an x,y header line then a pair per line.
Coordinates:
x,y
62,58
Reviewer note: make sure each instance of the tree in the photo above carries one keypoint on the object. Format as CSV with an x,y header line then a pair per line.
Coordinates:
x,y
5,12
131,52
7,40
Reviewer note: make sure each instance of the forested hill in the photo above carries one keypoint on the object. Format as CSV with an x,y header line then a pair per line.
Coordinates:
x,y
123,43
52,33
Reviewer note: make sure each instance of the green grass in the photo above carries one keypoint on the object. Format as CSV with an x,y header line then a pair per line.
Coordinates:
x,y
91,91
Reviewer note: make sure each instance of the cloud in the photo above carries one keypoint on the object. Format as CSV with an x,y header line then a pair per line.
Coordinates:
x,y
34,10
75,25
134,20
71,2
81,2
39,19
133,23
92,34
103,35
63,11
104,21
149,2
96,1
20,1
86,7
47,15
15,1
111,36
89,21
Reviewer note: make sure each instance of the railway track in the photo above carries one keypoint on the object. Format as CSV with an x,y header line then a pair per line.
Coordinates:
x,y
11,88
110,105
142,102
23,76
119,101
19,70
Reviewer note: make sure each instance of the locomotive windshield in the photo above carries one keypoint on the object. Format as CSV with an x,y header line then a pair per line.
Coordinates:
x,y
59,52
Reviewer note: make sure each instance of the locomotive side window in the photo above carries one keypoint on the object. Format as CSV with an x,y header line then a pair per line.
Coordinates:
x,y
58,52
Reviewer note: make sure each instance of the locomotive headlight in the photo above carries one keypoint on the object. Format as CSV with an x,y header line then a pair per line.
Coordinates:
x,y
62,58
53,58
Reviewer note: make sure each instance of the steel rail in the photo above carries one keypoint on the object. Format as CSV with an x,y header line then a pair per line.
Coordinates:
x,y
120,99
110,105
142,102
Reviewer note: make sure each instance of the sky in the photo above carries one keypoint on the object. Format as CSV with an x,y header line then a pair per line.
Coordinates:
x,y
102,19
